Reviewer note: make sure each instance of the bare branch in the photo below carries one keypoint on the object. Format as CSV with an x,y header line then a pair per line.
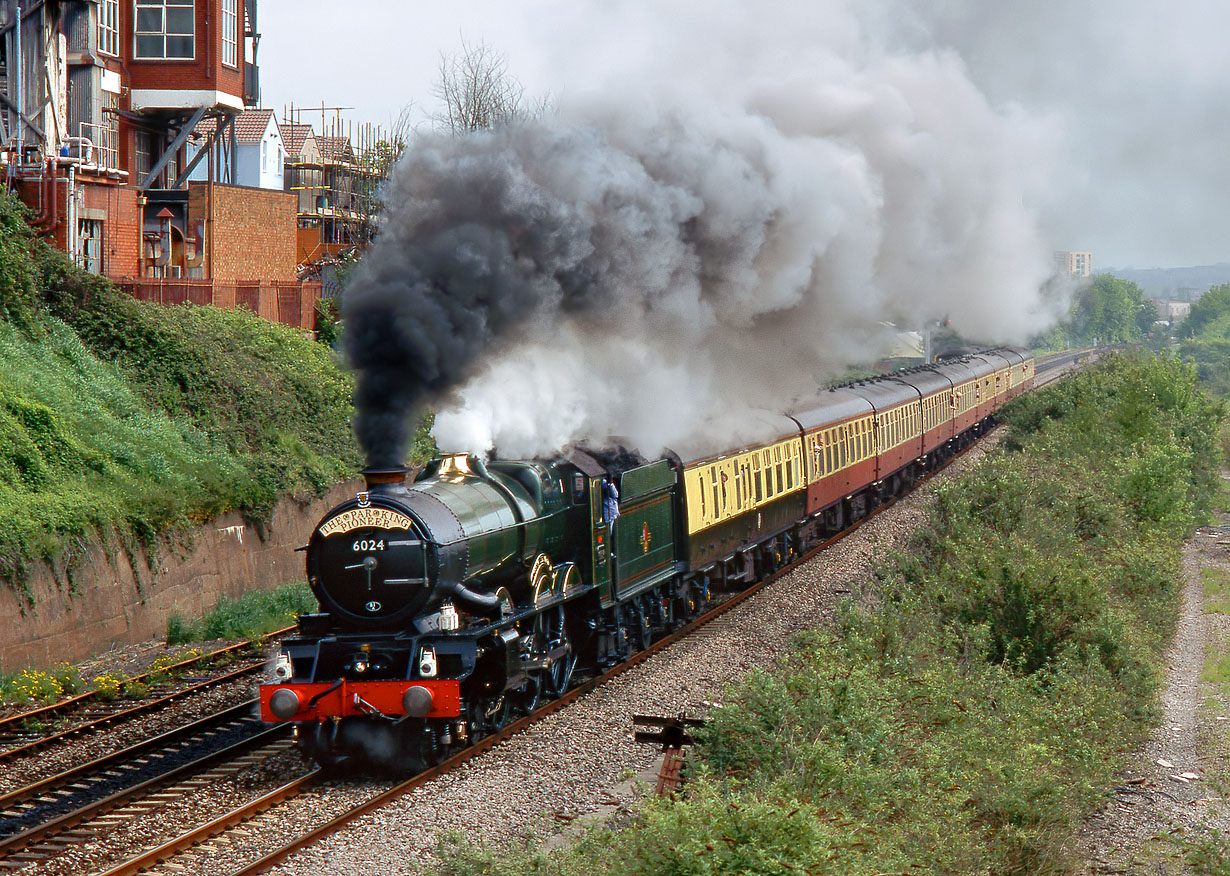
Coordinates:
x,y
477,92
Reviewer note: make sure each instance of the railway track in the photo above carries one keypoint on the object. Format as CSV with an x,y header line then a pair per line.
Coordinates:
x,y
250,813
245,814
27,732
39,820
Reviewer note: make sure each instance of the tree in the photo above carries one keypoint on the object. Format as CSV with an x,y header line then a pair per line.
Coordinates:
x,y
478,92
1212,307
1108,309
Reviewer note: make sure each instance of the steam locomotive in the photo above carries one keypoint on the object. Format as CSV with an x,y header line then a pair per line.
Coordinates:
x,y
452,603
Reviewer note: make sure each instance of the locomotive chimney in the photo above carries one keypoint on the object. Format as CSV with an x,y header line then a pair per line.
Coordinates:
x,y
383,478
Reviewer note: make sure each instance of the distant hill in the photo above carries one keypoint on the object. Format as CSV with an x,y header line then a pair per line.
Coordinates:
x,y
1183,283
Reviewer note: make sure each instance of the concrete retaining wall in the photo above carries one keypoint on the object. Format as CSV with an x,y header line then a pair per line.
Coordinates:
x,y
107,606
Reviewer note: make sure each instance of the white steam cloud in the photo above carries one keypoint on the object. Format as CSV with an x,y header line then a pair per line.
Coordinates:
x,y
664,260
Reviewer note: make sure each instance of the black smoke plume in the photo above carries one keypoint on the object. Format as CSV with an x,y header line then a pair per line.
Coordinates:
x,y
662,272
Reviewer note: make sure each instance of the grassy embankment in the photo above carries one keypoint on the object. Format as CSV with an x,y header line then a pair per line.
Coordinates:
x,y
119,418
967,721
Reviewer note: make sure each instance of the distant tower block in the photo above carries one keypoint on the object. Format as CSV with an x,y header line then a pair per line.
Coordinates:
x,y
1075,264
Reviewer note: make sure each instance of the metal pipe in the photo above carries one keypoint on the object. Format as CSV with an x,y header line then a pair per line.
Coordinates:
x,y
79,142
21,125
49,215
71,242
70,208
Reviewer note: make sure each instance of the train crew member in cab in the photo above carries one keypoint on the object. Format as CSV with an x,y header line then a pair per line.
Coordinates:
x,y
610,503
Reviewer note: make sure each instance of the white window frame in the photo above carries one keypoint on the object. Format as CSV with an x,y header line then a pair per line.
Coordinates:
x,y
230,33
109,27
166,31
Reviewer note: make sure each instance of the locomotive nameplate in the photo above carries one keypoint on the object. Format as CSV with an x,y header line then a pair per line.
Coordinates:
x,y
365,518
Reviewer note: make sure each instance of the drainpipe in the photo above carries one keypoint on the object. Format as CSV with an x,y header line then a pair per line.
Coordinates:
x,y
70,236
49,214
21,125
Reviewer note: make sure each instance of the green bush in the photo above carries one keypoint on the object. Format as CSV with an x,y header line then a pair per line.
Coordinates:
x,y
122,417
253,616
18,286
271,396
969,722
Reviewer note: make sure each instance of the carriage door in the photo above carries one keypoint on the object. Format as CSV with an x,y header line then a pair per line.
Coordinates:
x,y
601,539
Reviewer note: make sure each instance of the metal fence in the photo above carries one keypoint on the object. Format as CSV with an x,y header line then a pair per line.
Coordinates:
x,y
290,302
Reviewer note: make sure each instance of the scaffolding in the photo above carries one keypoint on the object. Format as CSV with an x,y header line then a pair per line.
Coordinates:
x,y
338,170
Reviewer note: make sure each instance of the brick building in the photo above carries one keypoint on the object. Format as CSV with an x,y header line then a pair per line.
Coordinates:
x,y
108,109
250,232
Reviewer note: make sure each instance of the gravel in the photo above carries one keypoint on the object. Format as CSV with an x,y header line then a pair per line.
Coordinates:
x,y
1176,785
577,765
26,769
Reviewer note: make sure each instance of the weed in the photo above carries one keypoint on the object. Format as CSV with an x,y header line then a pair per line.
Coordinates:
x,y
135,689
109,686
1209,854
1217,669
252,616
1216,590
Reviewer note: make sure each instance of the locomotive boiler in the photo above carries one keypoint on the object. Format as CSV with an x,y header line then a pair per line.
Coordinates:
x,y
443,601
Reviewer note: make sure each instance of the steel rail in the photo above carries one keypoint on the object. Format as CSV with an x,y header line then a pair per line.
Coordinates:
x,y
140,749
63,706
224,822
29,839
141,708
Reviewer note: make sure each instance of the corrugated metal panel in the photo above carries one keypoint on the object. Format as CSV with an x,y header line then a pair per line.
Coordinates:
x,y
83,86
77,27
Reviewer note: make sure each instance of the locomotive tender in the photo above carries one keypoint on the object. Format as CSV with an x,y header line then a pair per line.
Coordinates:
x,y
451,603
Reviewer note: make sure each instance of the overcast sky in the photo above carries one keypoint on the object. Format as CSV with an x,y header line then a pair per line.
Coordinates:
x,y
1129,99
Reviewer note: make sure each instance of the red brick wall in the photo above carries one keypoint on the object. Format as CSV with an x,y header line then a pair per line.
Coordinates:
x,y
290,302
121,228
252,232
205,71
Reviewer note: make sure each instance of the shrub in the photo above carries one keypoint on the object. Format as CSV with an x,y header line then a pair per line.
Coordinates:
x,y
970,721
18,287
253,616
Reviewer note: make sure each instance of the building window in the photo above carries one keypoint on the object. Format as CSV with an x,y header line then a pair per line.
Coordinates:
x,y
109,27
90,240
106,146
165,28
144,153
230,33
